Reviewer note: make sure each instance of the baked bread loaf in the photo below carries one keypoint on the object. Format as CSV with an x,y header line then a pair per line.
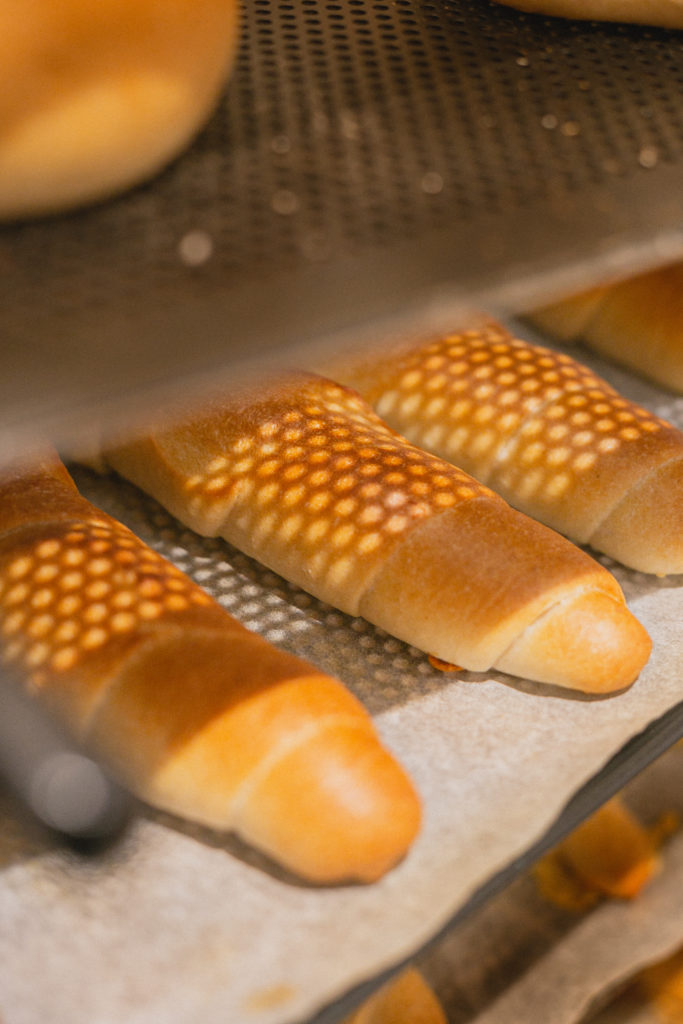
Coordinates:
x,y
300,474
545,432
97,97
637,322
666,13
406,999
196,714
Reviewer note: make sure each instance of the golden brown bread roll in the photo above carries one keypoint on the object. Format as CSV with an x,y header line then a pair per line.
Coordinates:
x,y
666,13
637,322
97,97
545,432
300,474
406,999
612,852
198,715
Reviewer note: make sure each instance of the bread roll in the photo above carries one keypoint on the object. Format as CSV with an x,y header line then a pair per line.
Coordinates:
x,y
406,999
98,96
196,714
667,13
545,432
637,322
611,852
300,474
661,986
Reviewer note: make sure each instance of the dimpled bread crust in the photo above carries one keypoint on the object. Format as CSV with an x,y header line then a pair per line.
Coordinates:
x,y
196,714
545,432
300,474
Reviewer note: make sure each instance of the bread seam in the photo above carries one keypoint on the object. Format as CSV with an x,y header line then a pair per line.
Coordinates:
x,y
544,631
635,485
151,631
568,598
287,746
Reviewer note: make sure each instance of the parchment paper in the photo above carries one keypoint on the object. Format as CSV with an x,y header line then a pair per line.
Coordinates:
x,y
177,924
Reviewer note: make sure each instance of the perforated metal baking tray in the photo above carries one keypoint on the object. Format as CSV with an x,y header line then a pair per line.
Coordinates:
x,y
373,167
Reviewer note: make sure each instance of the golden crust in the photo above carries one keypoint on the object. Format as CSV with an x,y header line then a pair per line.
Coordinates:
x,y
637,322
40,492
198,715
355,793
496,573
666,13
544,431
406,999
193,695
589,642
97,97
303,476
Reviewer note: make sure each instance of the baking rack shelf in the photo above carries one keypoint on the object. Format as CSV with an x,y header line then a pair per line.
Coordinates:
x,y
374,167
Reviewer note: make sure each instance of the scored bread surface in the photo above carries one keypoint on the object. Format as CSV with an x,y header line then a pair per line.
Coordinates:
x,y
302,475
198,715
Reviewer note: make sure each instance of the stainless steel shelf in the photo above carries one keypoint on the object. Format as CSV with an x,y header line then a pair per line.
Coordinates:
x,y
373,168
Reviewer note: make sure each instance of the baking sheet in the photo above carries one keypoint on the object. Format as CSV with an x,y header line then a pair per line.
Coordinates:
x,y
371,168
179,924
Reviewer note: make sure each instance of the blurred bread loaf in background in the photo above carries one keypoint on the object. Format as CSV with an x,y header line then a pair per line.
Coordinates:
x,y
97,97
637,322
406,999
666,13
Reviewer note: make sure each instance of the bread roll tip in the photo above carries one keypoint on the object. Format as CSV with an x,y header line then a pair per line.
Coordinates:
x,y
591,643
366,810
